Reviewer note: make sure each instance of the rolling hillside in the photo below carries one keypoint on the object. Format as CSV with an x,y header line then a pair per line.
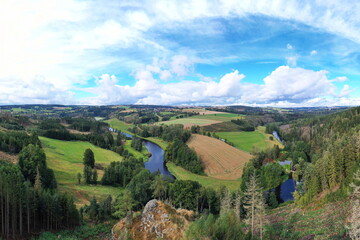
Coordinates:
x,y
66,159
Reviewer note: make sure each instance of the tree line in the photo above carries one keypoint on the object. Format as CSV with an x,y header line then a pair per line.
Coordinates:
x,y
325,152
27,207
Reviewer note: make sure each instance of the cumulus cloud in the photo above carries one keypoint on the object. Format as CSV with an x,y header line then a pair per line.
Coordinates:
x,y
289,46
285,85
34,90
296,84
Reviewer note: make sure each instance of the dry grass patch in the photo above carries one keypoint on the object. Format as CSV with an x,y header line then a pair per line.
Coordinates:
x,y
220,160
12,158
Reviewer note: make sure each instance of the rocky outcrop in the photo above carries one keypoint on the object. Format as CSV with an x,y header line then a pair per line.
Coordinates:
x,y
157,221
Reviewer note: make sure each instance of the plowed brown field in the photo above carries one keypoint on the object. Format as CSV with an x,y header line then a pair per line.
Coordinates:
x,y
220,159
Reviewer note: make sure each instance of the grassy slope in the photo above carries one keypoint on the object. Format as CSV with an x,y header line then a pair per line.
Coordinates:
x,y
222,117
119,125
206,181
66,159
324,222
247,140
122,126
188,121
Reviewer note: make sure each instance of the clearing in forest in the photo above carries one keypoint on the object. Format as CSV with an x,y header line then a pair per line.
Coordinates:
x,y
65,158
220,160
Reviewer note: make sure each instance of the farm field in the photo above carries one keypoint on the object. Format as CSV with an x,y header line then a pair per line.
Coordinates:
x,y
188,122
119,125
206,181
201,111
248,140
220,160
65,158
222,127
221,117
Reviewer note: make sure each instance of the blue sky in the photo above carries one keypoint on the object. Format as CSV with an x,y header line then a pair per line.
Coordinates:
x,y
258,53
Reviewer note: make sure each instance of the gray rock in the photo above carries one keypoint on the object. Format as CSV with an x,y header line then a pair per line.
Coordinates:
x,y
150,207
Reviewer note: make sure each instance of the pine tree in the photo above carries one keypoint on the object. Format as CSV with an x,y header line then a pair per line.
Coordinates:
x,y
37,184
94,177
254,202
354,220
159,187
79,178
124,204
89,159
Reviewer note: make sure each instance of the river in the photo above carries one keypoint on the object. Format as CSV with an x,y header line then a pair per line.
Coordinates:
x,y
276,135
156,161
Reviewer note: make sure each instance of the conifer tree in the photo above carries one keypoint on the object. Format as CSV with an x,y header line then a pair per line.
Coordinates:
x,y
254,203
37,184
354,219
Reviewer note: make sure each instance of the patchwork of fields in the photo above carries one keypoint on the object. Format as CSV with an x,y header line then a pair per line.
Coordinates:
x,y
65,158
220,160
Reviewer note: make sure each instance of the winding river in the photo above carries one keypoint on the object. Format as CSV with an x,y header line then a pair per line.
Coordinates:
x,y
156,161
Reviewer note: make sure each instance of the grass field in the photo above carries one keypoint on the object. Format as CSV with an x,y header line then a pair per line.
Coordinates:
x,y
221,117
66,159
119,125
158,141
248,140
221,127
220,160
182,174
188,122
142,154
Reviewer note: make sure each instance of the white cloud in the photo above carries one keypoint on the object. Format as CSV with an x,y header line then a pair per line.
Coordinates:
x,y
34,90
181,65
293,85
313,53
66,41
285,85
340,79
289,46
346,90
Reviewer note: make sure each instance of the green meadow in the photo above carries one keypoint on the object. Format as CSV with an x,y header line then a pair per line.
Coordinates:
x,y
119,125
188,121
66,159
247,141
221,117
182,174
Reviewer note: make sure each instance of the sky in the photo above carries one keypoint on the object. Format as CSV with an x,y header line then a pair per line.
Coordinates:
x,y
281,53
